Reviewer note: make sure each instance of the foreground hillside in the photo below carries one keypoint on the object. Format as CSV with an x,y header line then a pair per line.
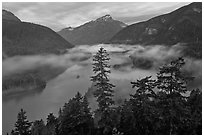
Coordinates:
x,y
93,32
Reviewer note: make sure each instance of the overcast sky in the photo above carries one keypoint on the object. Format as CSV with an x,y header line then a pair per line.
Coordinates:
x,y
61,15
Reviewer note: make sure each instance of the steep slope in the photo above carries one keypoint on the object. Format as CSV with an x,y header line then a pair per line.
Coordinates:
x,y
6,15
23,38
182,25
93,32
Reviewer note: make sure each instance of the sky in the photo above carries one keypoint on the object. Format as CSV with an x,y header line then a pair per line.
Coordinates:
x,y
65,14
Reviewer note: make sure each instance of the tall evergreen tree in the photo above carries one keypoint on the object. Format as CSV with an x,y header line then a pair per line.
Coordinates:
x,y
51,124
127,119
104,91
101,70
87,118
38,128
58,123
171,79
159,106
195,104
22,125
172,85
142,104
75,117
138,114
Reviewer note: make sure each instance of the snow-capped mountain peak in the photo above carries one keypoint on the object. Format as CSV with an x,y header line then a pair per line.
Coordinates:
x,y
105,18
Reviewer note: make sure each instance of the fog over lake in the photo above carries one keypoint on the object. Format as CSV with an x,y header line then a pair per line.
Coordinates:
x,y
129,63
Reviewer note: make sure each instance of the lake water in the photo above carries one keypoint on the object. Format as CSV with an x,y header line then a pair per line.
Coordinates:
x,y
38,104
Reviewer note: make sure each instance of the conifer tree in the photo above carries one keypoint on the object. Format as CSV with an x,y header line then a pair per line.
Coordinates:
x,y
195,104
145,89
85,105
22,125
87,118
104,91
171,79
138,114
75,117
172,85
51,124
142,106
101,70
38,127
127,119
58,123
159,106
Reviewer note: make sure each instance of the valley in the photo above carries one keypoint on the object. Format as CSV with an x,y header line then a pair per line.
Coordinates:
x,y
43,68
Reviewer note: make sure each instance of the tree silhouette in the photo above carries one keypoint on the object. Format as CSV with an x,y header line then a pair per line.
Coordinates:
x,y
142,103
160,106
87,118
104,91
22,125
75,117
101,70
195,104
38,128
51,124
172,86
138,114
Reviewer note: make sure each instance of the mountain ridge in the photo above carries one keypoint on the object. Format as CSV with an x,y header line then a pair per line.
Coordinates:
x,y
25,38
7,15
93,32
169,28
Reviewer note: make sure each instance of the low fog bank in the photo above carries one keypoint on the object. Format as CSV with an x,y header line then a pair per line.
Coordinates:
x,y
23,63
129,63
132,62
125,60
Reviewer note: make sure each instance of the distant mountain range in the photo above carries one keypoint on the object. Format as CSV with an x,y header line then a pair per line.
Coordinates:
x,y
24,38
181,25
93,32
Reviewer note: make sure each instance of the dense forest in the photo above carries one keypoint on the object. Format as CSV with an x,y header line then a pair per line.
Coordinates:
x,y
161,106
